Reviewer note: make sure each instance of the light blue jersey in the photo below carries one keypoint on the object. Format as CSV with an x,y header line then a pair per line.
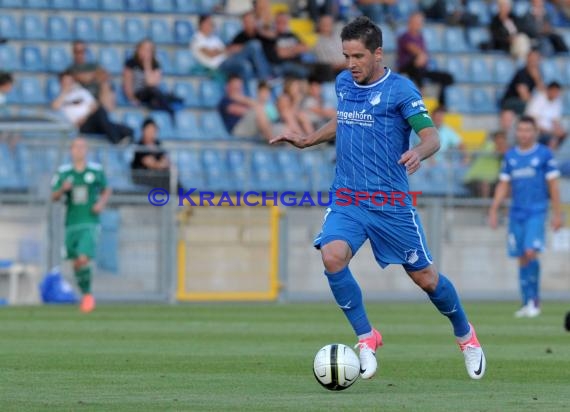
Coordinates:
x,y
528,172
373,133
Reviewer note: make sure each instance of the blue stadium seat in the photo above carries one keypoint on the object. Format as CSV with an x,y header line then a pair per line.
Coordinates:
x,y
30,90
217,170
186,91
109,58
456,66
504,70
134,30
58,28
318,169
481,71
137,5
432,38
38,4
160,31
87,4
566,104
32,60
187,127
184,62
328,93
230,28
210,93
266,170
164,123
239,170
455,40
478,35
9,58
482,101
84,29
481,10
63,4
112,5
33,27
187,6
58,59
11,4
162,6
457,99
52,88
292,174
110,30
190,169
183,32
565,74
208,6
8,27
134,119
163,59
520,8
403,9
550,71
213,126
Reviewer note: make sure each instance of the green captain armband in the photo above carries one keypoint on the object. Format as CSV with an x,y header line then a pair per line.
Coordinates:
x,y
420,121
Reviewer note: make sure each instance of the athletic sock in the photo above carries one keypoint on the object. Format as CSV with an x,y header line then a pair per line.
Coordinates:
x,y
348,296
83,276
533,268
524,283
445,299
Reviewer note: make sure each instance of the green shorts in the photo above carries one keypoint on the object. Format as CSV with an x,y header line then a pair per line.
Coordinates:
x,y
81,240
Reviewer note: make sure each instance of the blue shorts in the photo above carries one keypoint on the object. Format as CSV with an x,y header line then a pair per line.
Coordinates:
x,y
396,238
526,234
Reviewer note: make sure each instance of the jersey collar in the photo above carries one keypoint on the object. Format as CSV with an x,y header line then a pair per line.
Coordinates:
x,y
527,151
377,82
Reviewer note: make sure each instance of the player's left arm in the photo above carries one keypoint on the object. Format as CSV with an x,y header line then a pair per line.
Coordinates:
x,y
552,175
429,142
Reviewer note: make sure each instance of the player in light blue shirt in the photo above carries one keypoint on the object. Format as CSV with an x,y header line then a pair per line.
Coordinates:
x,y
530,171
377,110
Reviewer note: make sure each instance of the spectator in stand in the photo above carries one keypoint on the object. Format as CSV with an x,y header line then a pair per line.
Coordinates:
x,y
251,33
525,80
379,11
92,76
315,107
451,147
141,80
80,108
150,165
6,84
246,59
287,51
507,32
290,110
329,46
546,109
320,8
538,26
413,58
508,123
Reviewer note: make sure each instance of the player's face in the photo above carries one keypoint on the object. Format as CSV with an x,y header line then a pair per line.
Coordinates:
x,y
526,134
363,64
78,150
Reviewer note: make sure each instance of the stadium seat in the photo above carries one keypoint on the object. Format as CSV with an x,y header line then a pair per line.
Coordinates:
x,y
566,104
164,123
482,101
38,4
266,170
58,59
213,126
109,58
8,27
32,60
520,8
184,62
163,59
134,30
478,35
63,4
112,5
504,70
134,119
457,99
186,91
187,6
319,170
292,174
480,71
210,93
11,4
110,30
162,6
481,10
160,32
84,29
565,74
230,28
183,32
190,169
187,127
52,88
30,90
208,6
58,28
87,4
457,67
550,71
432,38
9,58
217,170
137,5
455,40
389,39
238,166
403,9
33,27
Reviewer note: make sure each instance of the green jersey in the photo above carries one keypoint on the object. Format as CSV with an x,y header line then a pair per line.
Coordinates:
x,y
86,188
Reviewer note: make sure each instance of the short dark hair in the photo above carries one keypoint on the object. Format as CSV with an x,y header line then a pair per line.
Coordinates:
x,y
365,30
203,18
528,119
65,73
149,121
554,85
6,78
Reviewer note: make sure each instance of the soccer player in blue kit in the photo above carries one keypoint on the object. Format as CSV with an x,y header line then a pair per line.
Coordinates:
x,y
377,110
529,169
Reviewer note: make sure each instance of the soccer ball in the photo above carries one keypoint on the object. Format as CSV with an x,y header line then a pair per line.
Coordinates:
x,y
336,367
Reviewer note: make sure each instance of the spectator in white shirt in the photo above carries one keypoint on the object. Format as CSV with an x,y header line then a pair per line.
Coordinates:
x,y
546,109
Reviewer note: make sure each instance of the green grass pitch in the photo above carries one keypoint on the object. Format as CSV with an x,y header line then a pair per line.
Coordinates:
x,y
259,358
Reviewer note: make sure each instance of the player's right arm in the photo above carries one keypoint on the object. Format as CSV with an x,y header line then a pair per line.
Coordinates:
x,y
60,186
501,193
324,134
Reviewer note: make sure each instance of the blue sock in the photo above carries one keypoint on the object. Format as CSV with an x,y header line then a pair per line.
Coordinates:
x,y
524,283
348,296
533,268
445,299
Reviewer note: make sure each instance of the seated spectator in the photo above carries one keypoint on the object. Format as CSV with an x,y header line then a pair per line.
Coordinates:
x,y
141,80
525,80
80,108
150,165
483,174
451,146
246,59
290,110
507,32
313,104
508,124
413,57
320,8
245,117
537,24
6,84
546,109
92,76
329,47
252,33
379,11
287,50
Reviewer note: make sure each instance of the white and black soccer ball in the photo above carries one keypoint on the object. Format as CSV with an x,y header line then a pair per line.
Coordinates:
x,y
336,367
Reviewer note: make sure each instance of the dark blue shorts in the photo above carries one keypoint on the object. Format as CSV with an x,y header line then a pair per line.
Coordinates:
x,y
396,238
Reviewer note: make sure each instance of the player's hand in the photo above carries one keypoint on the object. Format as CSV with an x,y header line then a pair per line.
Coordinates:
x,y
493,219
97,208
411,160
66,186
295,139
556,222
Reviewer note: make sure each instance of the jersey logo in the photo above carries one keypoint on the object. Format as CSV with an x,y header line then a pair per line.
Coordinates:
x,y
535,161
341,96
412,256
375,98
89,177
512,162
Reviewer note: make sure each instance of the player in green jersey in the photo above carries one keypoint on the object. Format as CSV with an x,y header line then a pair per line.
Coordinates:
x,y
83,186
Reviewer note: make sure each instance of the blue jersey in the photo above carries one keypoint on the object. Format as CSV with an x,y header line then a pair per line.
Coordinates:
x,y
372,133
528,172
